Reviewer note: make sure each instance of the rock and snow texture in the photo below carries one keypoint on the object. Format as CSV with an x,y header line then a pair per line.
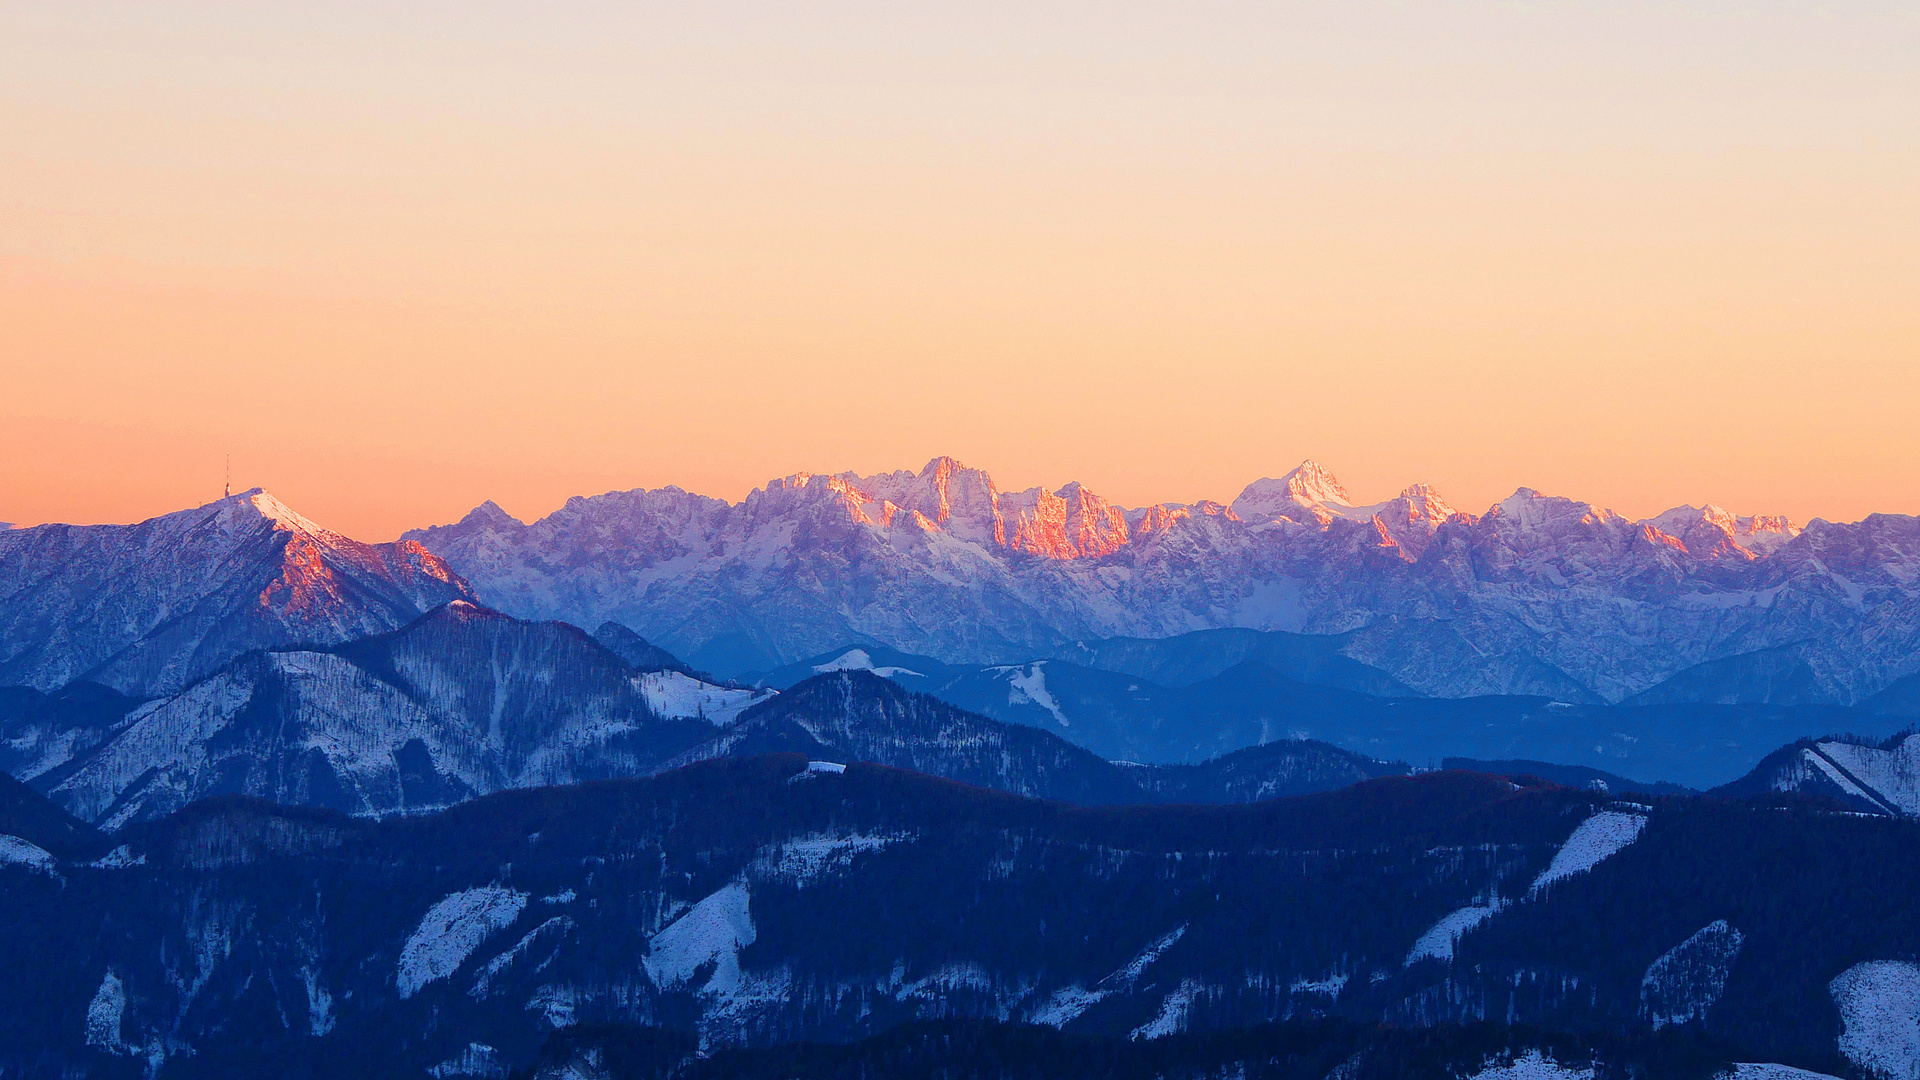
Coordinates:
x,y
1688,979
1438,942
805,860
1538,594
1889,778
25,853
1174,1010
1534,1066
1066,1004
712,931
1592,841
148,608
1596,839
672,694
1879,1004
451,930
461,702
104,1014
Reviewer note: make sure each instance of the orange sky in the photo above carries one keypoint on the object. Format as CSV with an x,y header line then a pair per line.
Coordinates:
x,y
399,261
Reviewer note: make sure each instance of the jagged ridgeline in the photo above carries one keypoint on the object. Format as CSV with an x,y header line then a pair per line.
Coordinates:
x,y
766,901
1537,595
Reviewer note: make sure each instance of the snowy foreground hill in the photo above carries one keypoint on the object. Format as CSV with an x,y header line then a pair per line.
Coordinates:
x,y
1537,595
1445,925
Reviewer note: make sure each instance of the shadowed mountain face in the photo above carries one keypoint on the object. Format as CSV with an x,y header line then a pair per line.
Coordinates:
x,y
465,701
146,609
758,900
460,702
857,716
1537,596
1127,717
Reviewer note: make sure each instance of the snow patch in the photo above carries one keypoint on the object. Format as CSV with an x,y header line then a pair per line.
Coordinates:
x,y
1534,1066
319,1004
118,859
451,930
104,1014
1173,1012
675,695
477,1060
1438,942
1754,1070
1688,979
858,660
1065,1004
1028,685
1329,986
554,927
17,852
1069,1002
1597,839
804,860
712,931
1880,1017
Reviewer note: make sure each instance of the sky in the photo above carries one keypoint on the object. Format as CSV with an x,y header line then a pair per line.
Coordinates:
x,y
398,258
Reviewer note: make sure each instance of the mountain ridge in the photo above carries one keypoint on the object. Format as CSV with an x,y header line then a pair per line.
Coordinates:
x,y
1539,594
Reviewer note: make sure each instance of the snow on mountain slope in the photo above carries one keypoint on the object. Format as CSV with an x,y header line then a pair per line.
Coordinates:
x,y
1688,979
713,931
1534,1065
1879,1004
673,694
459,702
1596,839
1438,941
1882,779
17,852
1538,594
450,931
1892,775
148,608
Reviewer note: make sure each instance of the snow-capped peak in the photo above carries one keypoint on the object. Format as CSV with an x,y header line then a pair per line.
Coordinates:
x,y
281,514
1312,485
1308,494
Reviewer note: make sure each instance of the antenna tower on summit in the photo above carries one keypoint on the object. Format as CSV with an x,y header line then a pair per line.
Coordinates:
x,y
229,493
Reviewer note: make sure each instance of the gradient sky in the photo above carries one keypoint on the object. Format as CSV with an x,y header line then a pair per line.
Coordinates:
x,y
397,258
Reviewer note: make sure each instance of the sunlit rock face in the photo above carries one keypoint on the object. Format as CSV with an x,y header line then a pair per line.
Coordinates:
x,y
147,608
1537,594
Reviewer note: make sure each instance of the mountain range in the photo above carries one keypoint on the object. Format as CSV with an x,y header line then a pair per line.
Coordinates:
x,y
280,803
1537,595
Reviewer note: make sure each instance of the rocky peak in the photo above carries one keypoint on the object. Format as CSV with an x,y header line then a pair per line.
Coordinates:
x,y
1071,523
490,515
1411,519
1308,495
